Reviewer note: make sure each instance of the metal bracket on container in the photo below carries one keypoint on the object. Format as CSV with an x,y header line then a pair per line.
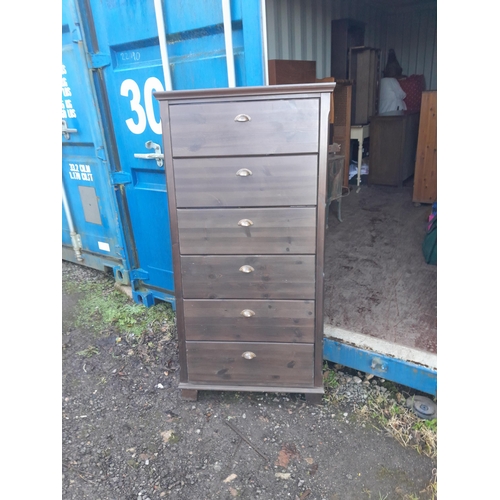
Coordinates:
x,y
139,274
99,60
157,155
67,131
121,178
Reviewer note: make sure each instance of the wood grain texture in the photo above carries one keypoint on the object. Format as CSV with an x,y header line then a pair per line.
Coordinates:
x,y
272,231
273,320
274,181
274,277
320,241
275,127
393,146
278,364
174,235
342,124
284,143
284,71
425,182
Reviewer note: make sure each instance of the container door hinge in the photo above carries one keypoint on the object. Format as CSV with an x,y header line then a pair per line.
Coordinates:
x,y
139,274
98,60
121,178
76,34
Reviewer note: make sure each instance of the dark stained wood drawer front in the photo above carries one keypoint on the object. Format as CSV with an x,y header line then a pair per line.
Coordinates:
x,y
267,364
274,126
247,230
249,320
248,277
252,181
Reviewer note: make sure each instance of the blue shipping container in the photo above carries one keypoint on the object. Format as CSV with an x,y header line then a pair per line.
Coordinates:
x,y
91,232
129,61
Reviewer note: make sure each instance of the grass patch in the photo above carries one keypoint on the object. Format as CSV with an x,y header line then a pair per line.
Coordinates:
x,y
402,424
330,380
101,307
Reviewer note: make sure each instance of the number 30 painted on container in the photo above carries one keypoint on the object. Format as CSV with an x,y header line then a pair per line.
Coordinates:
x,y
143,117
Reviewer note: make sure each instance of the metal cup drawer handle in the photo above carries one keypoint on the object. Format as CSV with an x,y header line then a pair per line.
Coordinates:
x,y
244,172
245,223
242,118
246,269
248,355
247,313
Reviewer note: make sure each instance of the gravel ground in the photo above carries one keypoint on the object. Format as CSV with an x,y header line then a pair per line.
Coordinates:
x,y
127,435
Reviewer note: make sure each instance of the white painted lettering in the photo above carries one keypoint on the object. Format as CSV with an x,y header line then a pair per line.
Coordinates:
x,y
144,117
150,86
130,86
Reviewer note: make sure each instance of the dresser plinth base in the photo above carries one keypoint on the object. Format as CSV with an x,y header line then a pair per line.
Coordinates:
x,y
189,391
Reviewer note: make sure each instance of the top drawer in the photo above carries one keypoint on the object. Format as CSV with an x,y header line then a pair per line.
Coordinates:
x,y
273,126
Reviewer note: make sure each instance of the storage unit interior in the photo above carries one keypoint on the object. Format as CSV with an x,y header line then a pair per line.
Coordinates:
x,y
377,282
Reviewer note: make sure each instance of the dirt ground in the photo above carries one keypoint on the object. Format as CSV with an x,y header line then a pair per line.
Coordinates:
x,y
127,435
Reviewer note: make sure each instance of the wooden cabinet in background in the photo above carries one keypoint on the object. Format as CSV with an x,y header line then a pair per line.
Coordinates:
x,y
425,182
346,33
342,122
393,145
284,72
364,69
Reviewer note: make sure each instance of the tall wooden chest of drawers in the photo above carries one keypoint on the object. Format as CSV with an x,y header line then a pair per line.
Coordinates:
x,y
246,173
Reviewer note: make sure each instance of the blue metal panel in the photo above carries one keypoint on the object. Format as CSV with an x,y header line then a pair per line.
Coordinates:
x,y
124,53
85,174
397,370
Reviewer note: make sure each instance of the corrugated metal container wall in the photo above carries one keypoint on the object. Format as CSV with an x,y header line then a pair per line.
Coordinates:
x,y
129,61
412,33
301,29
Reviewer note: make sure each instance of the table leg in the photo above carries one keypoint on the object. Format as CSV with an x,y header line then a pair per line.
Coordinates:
x,y
360,159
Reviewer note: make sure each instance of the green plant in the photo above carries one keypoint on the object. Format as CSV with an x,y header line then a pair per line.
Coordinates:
x,y
101,308
400,422
330,379
430,425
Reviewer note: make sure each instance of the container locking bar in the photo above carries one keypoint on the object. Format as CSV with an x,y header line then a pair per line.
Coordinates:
x,y
67,131
157,155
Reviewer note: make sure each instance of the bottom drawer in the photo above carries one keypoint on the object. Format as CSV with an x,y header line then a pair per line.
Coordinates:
x,y
268,364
